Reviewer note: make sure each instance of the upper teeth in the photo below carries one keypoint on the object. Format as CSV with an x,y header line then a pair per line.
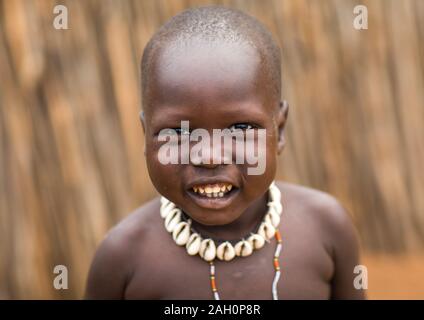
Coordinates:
x,y
213,190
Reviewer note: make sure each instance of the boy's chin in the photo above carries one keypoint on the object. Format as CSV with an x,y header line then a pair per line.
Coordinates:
x,y
214,220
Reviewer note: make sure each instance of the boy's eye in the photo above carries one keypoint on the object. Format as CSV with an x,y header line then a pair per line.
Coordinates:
x,y
241,127
182,131
177,131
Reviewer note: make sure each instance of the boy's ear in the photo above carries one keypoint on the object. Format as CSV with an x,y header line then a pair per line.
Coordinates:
x,y
283,113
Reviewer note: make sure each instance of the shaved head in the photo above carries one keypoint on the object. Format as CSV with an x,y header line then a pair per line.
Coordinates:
x,y
214,25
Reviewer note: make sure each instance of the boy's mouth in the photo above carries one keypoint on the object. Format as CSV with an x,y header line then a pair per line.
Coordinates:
x,y
217,190
213,195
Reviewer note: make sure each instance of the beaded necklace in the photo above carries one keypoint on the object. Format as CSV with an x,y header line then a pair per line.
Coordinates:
x,y
183,234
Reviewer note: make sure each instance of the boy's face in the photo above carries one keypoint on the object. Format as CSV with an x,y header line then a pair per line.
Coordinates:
x,y
212,87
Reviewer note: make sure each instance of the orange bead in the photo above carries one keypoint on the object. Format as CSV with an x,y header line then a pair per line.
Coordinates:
x,y
278,236
213,284
276,264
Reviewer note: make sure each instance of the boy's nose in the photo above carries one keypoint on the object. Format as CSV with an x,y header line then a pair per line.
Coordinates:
x,y
210,159
204,164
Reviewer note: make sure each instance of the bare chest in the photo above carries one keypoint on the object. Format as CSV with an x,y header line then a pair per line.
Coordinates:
x,y
171,274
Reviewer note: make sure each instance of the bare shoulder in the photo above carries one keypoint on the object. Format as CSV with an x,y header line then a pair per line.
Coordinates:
x,y
136,226
318,206
327,223
312,198
113,263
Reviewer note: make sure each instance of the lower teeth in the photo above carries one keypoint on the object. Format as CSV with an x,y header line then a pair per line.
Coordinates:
x,y
212,195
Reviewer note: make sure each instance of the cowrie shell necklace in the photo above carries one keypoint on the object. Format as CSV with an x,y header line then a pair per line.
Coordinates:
x,y
208,250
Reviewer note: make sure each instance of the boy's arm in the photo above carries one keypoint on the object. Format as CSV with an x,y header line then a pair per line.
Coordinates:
x,y
345,252
108,274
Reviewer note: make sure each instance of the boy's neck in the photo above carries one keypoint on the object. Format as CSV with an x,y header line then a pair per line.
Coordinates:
x,y
239,228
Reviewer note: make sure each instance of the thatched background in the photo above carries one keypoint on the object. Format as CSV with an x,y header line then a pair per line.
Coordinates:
x,y
71,161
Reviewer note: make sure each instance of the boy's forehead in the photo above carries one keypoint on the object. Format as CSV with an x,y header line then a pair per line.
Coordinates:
x,y
201,70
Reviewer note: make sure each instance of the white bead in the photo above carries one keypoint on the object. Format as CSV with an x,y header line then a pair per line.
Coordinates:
x,y
256,241
172,219
212,272
278,250
193,244
274,285
208,250
243,248
225,251
181,233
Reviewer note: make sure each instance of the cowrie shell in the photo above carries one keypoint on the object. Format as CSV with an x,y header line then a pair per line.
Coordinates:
x,y
166,208
243,248
273,210
181,233
172,219
273,218
277,206
193,244
256,241
275,193
163,200
225,251
208,250
266,230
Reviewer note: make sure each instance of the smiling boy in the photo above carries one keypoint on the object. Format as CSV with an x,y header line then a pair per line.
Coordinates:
x,y
218,68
